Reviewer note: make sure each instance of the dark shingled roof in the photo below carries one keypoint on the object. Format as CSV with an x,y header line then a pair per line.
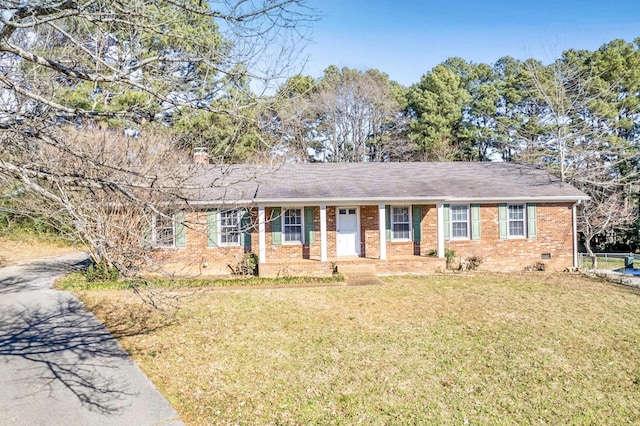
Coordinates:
x,y
482,181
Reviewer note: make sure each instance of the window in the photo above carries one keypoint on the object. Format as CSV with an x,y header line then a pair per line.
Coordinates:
x,y
400,223
163,231
459,221
516,220
230,225
347,211
292,225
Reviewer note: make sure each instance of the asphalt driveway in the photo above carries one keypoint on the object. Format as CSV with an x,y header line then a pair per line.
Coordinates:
x,y
59,365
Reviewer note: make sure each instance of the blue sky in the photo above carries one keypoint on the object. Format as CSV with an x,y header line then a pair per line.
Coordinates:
x,y
405,39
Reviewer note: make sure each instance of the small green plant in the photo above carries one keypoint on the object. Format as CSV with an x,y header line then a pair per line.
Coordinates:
x,y
247,266
101,272
450,255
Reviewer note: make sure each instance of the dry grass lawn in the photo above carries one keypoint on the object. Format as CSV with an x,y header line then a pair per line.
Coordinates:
x,y
479,349
14,250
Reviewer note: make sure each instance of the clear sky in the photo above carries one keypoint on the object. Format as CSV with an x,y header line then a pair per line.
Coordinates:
x,y
405,39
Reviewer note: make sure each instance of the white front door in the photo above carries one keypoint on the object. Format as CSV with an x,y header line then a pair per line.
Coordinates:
x,y
348,241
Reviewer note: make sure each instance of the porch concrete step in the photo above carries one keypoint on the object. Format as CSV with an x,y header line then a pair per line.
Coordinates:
x,y
359,274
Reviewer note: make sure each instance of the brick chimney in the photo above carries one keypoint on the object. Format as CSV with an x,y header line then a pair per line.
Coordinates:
x,y
200,155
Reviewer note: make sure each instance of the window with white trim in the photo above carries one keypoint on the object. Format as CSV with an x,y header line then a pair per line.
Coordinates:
x,y
163,231
516,218
459,221
292,225
230,227
400,223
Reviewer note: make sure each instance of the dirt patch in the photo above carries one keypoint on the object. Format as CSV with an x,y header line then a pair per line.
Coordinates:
x,y
14,250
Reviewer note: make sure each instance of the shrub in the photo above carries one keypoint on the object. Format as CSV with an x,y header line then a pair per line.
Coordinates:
x,y
450,255
101,272
538,266
247,266
471,263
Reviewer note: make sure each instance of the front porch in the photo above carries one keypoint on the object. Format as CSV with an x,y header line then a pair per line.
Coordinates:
x,y
313,238
393,265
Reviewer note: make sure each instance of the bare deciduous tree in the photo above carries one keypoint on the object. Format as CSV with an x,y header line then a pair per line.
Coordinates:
x,y
582,148
131,66
346,116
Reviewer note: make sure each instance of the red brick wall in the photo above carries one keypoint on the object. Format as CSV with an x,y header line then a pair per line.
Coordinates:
x,y
554,236
369,234
301,251
197,258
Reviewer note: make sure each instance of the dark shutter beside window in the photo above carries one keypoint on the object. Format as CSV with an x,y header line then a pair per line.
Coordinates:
x,y
309,226
276,225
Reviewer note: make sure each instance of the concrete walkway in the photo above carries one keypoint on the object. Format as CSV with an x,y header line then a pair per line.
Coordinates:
x,y
58,364
356,275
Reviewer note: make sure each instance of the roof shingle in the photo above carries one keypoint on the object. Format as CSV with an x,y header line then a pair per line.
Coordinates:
x,y
376,181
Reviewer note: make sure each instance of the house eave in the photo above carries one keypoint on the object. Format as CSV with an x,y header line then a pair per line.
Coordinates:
x,y
524,199
412,200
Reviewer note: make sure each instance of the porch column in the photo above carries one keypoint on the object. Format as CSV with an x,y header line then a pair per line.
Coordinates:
x,y
440,230
262,235
323,233
575,238
383,231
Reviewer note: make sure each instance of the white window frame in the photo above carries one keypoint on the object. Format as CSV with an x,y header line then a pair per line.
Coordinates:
x,y
221,227
155,229
523,220
393,223
452,207
285,225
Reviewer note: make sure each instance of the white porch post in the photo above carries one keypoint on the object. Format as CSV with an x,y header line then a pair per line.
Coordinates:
x,y
262,236
323,233
440,230
575,238
383,231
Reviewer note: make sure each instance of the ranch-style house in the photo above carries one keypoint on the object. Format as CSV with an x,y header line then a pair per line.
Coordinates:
x,y
309,219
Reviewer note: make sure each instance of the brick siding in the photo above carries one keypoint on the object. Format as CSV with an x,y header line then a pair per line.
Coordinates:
x,y
554,237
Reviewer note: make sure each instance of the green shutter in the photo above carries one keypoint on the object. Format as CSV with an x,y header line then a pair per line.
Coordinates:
x,y
309,234
212,228
503,222
387,219
276,225
181,235
475,222
531,221
417,223
446,217
245,227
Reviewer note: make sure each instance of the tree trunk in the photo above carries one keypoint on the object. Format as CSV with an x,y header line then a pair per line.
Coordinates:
x,y
590,253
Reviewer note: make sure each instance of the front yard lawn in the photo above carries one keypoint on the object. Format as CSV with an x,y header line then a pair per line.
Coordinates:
x,y
479,349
